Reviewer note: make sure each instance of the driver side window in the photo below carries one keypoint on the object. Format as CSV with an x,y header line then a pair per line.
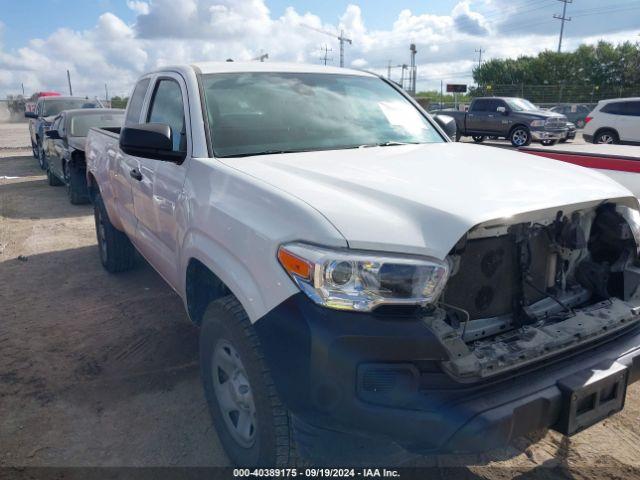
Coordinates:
x,y
167,107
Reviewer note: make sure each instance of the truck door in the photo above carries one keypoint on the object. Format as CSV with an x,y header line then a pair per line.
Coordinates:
x,y
478,116
121,164
156,193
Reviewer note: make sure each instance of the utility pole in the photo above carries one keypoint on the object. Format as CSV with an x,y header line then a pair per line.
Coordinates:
x,y
412,72
325,58
106,92
22,85
342,40
389,70
479,52
69,81
441,96
563,18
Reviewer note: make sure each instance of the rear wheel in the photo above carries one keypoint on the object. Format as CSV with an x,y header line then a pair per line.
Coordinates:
x,y
117,254
77,190
478,138
607,137
520,136
252,424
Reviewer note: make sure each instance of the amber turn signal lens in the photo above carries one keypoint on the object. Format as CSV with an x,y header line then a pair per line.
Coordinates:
x,y
294,265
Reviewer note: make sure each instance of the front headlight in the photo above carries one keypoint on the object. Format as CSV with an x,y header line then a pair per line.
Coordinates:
x,y
361,281
538,123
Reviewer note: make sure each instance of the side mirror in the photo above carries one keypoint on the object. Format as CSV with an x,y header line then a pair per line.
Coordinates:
x,y
149,140
502,110
30,115
448,124
53,134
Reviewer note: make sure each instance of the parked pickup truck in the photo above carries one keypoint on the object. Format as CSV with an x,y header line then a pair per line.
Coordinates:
x,y
47,108
359,278
515,119
64,147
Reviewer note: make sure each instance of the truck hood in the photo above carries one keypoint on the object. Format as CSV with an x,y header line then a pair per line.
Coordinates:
x,y
422,199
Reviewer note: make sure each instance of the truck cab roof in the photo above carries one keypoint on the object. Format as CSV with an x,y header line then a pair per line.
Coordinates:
x,y
238,67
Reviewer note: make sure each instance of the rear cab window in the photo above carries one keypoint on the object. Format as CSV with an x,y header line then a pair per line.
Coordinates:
x,y
137,101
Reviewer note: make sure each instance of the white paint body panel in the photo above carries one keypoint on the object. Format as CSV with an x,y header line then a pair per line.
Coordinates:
x,y
233,214
421,199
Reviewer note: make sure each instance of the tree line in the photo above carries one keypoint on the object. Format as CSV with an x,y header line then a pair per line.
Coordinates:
x,y
595,70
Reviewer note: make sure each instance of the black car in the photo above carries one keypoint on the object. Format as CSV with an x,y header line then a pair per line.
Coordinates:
x,y
64,147
41,119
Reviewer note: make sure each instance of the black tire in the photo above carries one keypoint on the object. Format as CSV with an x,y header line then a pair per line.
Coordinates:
x,y
42,158
520,136
458,136
117,254
548,143
564,140
478,138
76,182
34,150
53,180
606,137
227,332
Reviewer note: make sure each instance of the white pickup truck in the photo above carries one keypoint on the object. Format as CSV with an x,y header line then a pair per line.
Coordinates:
x,y
358,277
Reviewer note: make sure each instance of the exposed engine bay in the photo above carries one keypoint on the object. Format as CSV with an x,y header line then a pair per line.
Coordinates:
x,y
519,292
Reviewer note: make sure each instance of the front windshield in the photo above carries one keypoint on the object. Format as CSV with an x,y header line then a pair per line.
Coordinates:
x,y
258,113
54,107
520,104
80,124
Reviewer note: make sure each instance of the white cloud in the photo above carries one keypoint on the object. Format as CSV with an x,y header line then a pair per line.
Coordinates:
x,y
115,52
141,8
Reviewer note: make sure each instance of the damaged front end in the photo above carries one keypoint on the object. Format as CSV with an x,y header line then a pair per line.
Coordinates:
x,y
538,285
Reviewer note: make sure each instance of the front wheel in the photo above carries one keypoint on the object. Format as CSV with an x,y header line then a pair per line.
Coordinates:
x,y
252,424
117,254
520,137
42,158
52,179
478,138
77,190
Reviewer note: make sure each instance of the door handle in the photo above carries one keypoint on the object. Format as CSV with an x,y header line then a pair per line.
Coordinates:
x,y
134,173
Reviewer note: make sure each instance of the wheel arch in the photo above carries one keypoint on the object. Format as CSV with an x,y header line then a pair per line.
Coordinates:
x,y
605,129
517,125
202,286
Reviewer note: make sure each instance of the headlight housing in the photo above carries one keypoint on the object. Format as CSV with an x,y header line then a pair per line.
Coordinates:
x,y
362,281
538,123
632,216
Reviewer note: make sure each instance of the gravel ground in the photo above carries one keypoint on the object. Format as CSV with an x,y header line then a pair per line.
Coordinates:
x,y
101,370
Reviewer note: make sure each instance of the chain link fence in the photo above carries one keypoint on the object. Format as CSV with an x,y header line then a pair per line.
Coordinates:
x,y
557,94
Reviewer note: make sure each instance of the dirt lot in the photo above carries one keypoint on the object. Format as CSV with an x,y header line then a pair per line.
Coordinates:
x,y
100,370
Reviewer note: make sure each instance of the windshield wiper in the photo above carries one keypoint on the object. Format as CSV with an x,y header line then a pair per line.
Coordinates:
x,y
265,152
390,143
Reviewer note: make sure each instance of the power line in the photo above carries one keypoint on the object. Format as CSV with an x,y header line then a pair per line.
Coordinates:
x,y
563,18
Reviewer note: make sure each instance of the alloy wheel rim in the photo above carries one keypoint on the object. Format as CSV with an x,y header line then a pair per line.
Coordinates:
x,y
234,394
519,137
608,139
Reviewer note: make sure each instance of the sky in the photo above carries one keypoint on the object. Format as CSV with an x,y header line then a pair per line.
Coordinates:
x,y
112,42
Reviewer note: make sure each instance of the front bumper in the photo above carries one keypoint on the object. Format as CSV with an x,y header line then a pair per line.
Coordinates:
x,y
541,135
379,376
